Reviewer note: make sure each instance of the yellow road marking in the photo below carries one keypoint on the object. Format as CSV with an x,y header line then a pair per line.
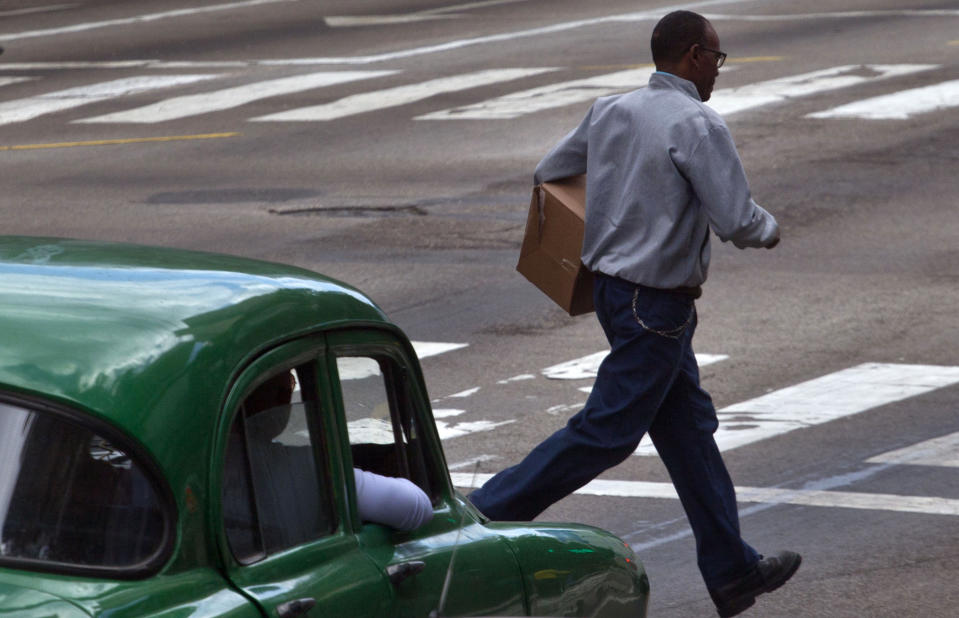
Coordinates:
x,y
954,42
114,142
756,59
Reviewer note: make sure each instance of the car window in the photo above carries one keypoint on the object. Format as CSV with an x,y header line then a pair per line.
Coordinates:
x,y
275,486
72,498
384,430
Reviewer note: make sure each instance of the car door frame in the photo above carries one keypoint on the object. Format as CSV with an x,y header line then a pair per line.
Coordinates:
x,y
455,534
332,571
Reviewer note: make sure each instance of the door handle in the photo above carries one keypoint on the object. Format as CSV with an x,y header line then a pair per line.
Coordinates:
x,y
296,607
404,570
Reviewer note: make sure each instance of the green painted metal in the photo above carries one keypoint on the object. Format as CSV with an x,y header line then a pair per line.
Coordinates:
x,y
156,341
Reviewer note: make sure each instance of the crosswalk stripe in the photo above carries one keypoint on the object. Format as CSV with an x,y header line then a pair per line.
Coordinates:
x,y
587,366
400,95
899,105
821,400
228,98
546,97
732,100
6,81
940,452
424,349
930,505
26,109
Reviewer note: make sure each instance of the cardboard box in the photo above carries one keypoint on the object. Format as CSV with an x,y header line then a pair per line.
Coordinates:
x,y
550,257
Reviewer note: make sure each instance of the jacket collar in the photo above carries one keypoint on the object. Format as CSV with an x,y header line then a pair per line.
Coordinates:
x,y
668,81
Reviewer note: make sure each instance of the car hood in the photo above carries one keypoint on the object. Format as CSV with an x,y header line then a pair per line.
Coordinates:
x,y
29,603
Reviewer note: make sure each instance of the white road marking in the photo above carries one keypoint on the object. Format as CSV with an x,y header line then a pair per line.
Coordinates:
x,y
899,105
140,19
546,97
345,21
940,452
360,367
732,100
821,400
384,57
25,109
400,95
520,378
447,431
837,15
6,81
463,394
228,98
425,349
587,366
930,505
446,412
38,9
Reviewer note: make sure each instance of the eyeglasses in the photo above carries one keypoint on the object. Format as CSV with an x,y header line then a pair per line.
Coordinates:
x,y
720,56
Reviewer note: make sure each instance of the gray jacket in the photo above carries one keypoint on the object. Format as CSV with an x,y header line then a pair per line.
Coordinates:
x,y
661,170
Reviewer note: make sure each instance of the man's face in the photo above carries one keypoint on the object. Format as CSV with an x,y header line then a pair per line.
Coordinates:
x,y
706,66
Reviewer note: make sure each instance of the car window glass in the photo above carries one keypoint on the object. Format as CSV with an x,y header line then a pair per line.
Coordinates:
x,y
384,431
69,496
275,488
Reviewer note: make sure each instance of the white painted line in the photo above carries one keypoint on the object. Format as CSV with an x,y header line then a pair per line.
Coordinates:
x,y
352,21
141,19
426,349
587,366
463,394
344,21
38,9
360,367
837,15
520,378
228,98
385,57
899,105
732,100
929,505
400,95
446,413
121,64
546,97
396,55
25,109
940,452
447,431
821,400
6,81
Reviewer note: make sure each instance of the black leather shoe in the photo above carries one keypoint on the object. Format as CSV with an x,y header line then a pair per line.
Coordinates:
x,y
769,573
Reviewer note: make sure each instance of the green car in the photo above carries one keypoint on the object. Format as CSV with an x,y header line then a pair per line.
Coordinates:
x,y
135,482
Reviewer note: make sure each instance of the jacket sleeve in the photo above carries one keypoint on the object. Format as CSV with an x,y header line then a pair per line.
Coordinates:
x,y
716,174
568,157
394,502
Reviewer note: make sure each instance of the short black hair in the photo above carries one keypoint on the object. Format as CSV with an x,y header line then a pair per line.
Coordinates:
x,y
675,34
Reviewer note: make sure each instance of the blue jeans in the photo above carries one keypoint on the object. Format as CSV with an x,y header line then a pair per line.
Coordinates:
x,y
649,383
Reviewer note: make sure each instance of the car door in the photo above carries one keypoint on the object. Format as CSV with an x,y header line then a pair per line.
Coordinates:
x,y
286,536
390,430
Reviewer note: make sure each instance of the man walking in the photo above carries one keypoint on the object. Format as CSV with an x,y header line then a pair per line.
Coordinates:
x,y
661,171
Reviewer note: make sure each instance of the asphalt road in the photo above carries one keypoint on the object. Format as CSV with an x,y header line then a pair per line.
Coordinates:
x,y
391,144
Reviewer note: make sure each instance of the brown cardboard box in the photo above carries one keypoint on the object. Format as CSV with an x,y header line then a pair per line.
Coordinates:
x,y
553,244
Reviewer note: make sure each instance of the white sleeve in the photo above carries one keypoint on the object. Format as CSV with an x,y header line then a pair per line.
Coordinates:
x,y
394,502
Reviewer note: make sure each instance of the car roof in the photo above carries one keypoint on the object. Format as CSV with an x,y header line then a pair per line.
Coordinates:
x,y
147,336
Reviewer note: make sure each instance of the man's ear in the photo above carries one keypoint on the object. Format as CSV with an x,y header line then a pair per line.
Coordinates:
x,y
695,54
